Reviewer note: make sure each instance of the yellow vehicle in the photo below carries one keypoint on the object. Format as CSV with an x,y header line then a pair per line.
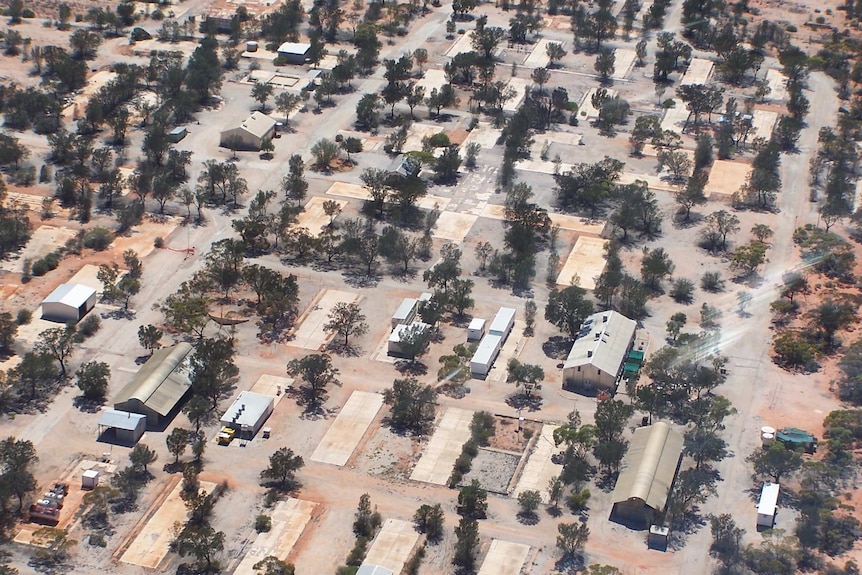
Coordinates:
x,y
225,436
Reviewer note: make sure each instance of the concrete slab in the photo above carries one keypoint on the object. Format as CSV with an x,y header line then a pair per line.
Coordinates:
x,y
726,177
431,80
675,118
141,238
444,447
538,58
273,386
453,226
624,61
309,334
653,182
416,133
484,134
519,86
762,124
347,430
29,333
584,264
87,276
698,72
777,85
357,192
151,545
44,240
504,558
586,108
462,44
313,218
540,469
393,545
579,225
29,202
289,519
512,348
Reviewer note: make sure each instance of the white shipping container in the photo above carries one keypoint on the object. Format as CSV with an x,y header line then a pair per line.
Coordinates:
x,y
767,505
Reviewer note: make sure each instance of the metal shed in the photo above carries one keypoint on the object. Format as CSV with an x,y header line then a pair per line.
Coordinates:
x,y
294,52
248,413
68,303
767,505
129,427
159,386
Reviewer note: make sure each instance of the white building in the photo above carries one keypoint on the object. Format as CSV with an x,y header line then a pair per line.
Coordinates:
x,y
294,52
476,329
503,322
600,351
68,303
251,134
767,505
248,413
489,348
128,427
394,345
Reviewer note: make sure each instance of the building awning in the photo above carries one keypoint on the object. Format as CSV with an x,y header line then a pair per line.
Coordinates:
x,y
120,419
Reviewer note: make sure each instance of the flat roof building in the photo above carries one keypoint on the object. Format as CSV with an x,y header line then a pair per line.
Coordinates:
x,y
251,134
248,413
159,387
127,427
485,355
294,52
503,322
648,472
768,505
68,303
599,352
394,344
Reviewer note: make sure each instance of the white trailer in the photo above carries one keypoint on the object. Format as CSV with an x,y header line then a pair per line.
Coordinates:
x,y
485,355
503,322
767,505
476,329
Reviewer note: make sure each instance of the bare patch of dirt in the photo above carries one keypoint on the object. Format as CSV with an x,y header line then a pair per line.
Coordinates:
x,y
509,436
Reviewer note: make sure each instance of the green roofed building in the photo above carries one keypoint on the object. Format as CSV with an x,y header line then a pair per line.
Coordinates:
x,y
159,387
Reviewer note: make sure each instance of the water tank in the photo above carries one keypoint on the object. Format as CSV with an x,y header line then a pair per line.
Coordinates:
x,y
767,429
251,46
766,439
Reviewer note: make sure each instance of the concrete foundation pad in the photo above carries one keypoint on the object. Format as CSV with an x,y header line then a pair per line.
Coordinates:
x,y
653,182
581,226
584,264
763,122
141,238
309,334
726,177
698,72
511,349
586,108
777,85
623,62
484,134
438,458
273,386
433,79
540,469
151,545
504,558
87,276
416,133
289,519
453,226
347,430
463,44
393,545
519,86
313,217
675,118
538,58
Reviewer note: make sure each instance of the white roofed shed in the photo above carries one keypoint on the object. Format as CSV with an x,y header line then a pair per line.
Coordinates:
x,y
485,354
503,322
68,303
248,413
767,505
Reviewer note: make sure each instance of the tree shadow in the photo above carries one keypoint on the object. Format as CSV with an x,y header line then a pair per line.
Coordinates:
x,y
688,524
557,347
606,480
359,279
570,564
554,511
528,517
414,368
344,350
523,401
88,405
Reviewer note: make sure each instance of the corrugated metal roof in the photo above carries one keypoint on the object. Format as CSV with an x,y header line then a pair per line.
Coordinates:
x,y
649,466
73,295
247,409
258,124
602,343
161,382
120,419
297,48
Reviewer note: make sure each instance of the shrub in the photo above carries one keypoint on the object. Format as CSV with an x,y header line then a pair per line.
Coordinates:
x,y
712,282
89,326
24,317
263,523
578,500
682,290
39,268
791,28
97,540
98,239
159,243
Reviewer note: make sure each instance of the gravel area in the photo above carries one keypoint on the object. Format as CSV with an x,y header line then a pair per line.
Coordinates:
x,y
493,470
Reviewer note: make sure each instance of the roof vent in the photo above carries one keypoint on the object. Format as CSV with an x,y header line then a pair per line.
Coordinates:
x,y
589,353
604,319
